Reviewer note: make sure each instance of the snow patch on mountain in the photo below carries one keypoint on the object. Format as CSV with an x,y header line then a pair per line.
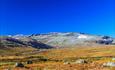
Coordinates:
x,y
82,36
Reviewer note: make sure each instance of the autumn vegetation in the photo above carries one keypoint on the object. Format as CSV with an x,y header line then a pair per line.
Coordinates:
x,y
58,59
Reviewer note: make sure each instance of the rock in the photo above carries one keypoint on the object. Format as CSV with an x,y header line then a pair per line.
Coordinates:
x,y
113,59
18,64
109,64
81,61
29,62
67,63
106,37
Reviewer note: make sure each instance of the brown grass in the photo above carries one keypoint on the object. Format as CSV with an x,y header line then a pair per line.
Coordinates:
x,y
56,58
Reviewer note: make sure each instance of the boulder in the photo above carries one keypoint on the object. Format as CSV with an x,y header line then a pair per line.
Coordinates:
x,y
109,64
80,61
19,64
29,62
67,63
113,59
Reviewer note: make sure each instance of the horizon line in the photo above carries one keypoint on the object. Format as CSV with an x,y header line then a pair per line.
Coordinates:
x,y
55,32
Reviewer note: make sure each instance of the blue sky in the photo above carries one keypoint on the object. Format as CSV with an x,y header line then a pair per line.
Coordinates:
x,y
42,16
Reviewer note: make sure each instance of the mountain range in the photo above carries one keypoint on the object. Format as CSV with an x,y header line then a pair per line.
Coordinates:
x,y
55,40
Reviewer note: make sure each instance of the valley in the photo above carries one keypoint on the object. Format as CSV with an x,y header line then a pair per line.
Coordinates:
x,y
61,59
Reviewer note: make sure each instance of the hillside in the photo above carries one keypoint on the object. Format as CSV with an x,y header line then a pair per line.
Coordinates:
x,y
62,59
58,39
8,42
57,51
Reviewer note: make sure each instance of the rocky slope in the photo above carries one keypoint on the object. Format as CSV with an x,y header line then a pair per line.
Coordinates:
x,y
6,42
72,39
57,39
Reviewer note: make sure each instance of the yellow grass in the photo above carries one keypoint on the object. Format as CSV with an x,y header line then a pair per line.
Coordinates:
x,y
56,58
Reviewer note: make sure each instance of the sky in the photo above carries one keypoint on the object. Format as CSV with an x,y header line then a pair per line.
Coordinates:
x,y
43,16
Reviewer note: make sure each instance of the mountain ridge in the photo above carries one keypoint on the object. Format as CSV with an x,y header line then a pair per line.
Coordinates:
x,y
60,39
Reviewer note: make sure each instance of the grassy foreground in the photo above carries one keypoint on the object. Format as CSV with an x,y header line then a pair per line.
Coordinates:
x,y
58,59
